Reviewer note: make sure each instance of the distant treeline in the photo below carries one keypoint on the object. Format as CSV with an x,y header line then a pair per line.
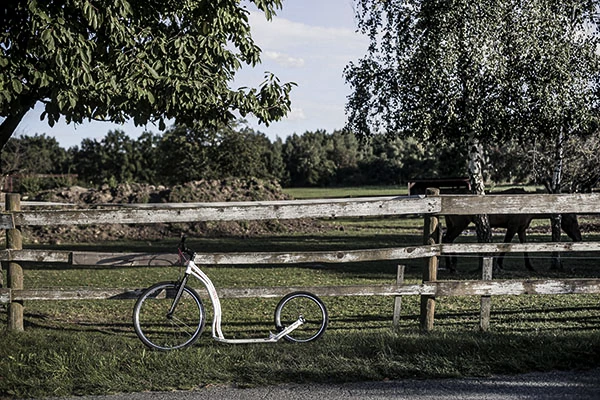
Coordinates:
x,y
181,155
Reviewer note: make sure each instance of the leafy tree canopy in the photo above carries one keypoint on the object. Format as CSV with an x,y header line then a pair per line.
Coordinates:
x,y
489,69
146,60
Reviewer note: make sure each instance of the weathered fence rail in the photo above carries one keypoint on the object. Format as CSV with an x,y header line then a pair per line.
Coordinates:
x,y
429,206
294,209
437,289
334,256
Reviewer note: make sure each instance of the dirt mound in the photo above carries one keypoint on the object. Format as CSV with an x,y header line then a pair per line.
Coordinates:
x,y
197,191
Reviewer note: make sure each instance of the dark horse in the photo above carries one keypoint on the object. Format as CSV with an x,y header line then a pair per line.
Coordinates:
x,y
513,223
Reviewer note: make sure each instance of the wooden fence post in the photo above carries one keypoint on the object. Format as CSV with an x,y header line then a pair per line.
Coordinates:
x,y
431,235
398,299
486,301
14,241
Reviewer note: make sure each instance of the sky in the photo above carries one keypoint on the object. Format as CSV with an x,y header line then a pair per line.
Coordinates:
x,y
309,42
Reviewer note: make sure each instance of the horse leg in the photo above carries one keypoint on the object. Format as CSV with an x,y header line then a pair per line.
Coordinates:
x,y
570,226
523,239
510,234
452,232
451,261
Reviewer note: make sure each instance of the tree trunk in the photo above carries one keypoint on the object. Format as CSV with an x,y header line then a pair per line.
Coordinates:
x,y
482,222
8,127
555,188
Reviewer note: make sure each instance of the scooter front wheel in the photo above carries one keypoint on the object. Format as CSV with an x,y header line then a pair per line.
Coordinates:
x,y
303,305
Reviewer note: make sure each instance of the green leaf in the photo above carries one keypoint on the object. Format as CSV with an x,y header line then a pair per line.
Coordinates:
x,y
152,71
72,100
48,39
17,85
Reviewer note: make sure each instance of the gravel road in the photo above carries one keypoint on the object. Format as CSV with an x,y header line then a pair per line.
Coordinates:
x,y
579,385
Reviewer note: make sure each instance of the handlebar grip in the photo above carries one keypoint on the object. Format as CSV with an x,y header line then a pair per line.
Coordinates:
x,y
184,249
182,241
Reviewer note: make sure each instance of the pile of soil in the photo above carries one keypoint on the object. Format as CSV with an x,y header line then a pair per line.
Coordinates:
x,y
196,191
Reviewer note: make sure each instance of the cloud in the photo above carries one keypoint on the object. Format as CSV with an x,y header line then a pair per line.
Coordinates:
x,y
289,37
283,59
296,114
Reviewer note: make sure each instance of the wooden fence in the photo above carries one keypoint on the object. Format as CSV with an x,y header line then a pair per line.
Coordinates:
x,y
430,206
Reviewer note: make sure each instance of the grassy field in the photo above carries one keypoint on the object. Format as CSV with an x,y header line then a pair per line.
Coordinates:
x,y
89,347
340,192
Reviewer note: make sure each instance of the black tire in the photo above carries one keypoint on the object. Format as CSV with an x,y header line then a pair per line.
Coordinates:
x,y
161,332
307,306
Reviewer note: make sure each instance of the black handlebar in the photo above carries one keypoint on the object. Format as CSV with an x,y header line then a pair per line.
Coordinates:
x,y
185,250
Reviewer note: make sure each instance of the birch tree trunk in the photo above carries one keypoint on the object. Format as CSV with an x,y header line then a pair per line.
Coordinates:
x,y
555,187
475,167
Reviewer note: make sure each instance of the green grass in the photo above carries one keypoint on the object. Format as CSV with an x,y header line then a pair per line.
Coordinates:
x,y
341,192
71,353
89,347
366,191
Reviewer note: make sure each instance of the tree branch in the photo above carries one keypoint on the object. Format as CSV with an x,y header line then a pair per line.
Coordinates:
x,y
9,125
